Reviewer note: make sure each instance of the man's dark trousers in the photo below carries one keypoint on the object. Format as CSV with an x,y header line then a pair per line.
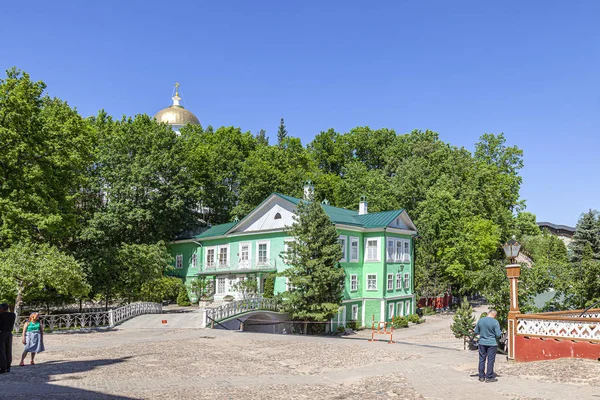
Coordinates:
x,y
6,339
488,352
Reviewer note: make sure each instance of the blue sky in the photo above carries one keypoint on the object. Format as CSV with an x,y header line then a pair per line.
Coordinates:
x,y
461,68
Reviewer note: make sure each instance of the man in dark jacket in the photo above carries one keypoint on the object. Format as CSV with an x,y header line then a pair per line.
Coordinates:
x,y
7,323
489,332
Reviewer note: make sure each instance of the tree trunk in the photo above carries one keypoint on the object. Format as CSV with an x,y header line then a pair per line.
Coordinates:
x,y
80,306
305,327
19,300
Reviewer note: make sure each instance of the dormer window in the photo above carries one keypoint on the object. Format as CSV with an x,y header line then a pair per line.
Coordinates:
x,y
277,216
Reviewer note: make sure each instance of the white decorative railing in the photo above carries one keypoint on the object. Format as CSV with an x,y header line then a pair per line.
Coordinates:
x,y
559,327
239,266
234,308
99,319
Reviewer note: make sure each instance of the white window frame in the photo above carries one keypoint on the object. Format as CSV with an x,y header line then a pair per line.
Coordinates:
x,y
390,281
244,263
369,279
377,249
214,261
391,310
399,281
344,242
406,250
354,283
227,255
355,312
224,282
406,281
194,261
407,308
354,239
389,250
258,243
398,250
179,261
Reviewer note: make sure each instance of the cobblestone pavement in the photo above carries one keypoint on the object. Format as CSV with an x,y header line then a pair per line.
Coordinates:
x,y
426,362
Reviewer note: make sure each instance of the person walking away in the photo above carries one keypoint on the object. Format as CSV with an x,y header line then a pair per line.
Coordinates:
x,y
33,338
488,330
7,323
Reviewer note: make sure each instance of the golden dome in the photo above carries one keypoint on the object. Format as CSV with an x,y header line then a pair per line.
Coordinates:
x,y
176,114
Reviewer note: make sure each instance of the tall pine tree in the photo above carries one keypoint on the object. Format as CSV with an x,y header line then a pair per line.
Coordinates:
x,y
587,232
315,277
281,133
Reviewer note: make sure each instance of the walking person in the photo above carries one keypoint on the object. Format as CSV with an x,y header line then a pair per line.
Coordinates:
x,y
488,330
7,323
33,338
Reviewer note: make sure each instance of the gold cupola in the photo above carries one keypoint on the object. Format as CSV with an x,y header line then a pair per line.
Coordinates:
x,y
175,115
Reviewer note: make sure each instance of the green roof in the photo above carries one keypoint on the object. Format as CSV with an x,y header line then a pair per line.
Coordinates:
x,y
336,215
217,230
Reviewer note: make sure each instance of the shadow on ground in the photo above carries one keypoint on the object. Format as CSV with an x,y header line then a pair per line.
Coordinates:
x,y
42,381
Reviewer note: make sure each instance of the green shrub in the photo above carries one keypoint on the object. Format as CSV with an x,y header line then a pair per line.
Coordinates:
x,y
269,289
414,318
428,311
183,298
163,288
352,324
400,322
341,329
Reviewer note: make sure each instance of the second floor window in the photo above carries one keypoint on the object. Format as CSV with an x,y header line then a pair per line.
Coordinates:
x,y
262,253
342,242
244,253
390,281
353,249
194,260
372,250
223,256
371,282
353,283
398,281
179,261
210,257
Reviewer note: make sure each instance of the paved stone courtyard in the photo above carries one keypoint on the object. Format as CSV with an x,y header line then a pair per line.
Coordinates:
x,y
159,362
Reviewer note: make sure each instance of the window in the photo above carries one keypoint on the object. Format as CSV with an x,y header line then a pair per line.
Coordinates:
x,y
354,249
372,251
390,250
390,281
179,261
221,286
222,256
263,253
407,308
398,281
244,254
277,216
406,257
210,257
406,281
194,260
398,254
372,282
391,310
401,308
342,242
355,312
353,283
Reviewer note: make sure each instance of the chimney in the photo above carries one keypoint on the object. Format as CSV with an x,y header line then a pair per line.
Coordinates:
x,y
362,206
309,190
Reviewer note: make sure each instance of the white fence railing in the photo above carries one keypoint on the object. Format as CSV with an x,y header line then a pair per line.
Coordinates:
x,y
234,308
559,327
98,319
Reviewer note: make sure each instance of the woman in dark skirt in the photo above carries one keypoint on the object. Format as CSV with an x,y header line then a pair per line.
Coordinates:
x,y
33,338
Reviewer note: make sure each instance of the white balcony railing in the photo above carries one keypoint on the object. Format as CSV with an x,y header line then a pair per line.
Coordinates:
x,y
240,266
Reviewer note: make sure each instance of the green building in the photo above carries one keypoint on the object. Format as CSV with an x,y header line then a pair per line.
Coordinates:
x,y
378,256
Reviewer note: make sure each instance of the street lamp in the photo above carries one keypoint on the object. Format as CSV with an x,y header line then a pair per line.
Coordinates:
x,y
511,249
513,271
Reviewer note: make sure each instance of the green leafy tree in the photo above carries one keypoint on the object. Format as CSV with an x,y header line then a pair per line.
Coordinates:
x,y
201,288
463,325
587,232
261,138
314,275
27,267
45,147
525,225
163,288
183,297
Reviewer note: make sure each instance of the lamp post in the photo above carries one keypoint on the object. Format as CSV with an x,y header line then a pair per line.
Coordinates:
x,y
513,271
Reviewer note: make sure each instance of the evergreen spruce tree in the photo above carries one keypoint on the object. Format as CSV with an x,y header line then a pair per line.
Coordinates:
x,y
315,277
464,322
587,232
281,133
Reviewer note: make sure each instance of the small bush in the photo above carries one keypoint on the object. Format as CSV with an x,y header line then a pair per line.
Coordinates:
x,y
400,322
341,329
183,298
428,311
228,298
352,324
414,318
